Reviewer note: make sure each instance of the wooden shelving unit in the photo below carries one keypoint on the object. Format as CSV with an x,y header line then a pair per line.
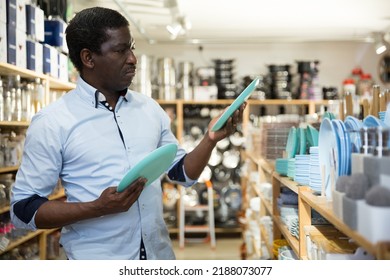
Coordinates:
x,y
50,83
307,201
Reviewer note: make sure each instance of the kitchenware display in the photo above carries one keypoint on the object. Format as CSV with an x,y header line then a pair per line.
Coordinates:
x,y
143,79
190,197
232,196
302,169
215,158
204,196
344,147
222,174
231,158
237,139
279,81
372,121
353,126
225,78
166,78
308,80
186,80
170,197
315,173
150,167
223,144
206,175
244,95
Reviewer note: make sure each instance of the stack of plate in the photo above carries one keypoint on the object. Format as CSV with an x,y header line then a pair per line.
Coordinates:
x,y
291,168
344,146
302,169
334,152
281,166
372,121
314,173
353,126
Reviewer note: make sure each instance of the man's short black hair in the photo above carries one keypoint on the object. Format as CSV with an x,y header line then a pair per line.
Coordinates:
x,y
88,30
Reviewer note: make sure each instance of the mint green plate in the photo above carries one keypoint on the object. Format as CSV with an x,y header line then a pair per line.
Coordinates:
x,y
292,143
302,141
244,95
150,167
312,135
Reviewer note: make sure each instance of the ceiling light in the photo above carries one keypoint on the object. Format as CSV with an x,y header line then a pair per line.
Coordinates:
x,y
380,43
174,29
380,48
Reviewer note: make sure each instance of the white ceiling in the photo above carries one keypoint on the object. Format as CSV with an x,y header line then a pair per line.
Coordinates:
x,y
253,21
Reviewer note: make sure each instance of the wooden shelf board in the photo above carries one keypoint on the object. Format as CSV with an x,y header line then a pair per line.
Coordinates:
x,y
267,204
12,70
324,208
287,182
264,164
8,169
21,240
292,241
14,124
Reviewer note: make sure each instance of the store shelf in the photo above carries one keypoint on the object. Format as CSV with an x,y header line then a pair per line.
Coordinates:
x,y
307,202
324,208
14,124
12,70
56,84
292,241
22,240
41,233
287,182
9,169
267,166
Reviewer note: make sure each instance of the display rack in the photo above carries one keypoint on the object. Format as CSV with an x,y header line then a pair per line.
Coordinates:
x,y
307,201
50,83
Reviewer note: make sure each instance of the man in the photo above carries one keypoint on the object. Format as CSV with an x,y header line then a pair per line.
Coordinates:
x,y
89,139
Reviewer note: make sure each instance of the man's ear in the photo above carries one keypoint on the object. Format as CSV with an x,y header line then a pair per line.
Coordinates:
x,y
87,58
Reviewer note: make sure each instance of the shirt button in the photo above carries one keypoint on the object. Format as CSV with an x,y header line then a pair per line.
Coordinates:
x,y
106,104
110,108
142,250
142,257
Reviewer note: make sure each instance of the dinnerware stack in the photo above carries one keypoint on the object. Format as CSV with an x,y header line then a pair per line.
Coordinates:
x,y
302,169
314,173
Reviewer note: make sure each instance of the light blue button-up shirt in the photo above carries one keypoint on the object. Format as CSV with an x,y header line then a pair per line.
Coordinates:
x,y
77,139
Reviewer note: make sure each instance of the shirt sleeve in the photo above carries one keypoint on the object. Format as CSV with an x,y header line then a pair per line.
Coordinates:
x,y
178,175
38,173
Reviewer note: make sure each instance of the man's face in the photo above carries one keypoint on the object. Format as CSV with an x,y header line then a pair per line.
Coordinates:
x,y
115,66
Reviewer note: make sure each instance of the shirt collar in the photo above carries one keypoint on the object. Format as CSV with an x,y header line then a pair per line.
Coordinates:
x,y
92,95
